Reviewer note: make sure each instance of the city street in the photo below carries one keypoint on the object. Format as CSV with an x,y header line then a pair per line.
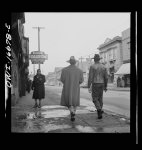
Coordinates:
x,y
116,101
55,118
63,50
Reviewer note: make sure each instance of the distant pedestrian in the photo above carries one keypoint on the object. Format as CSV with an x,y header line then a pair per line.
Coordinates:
x,y
38,87
118,82
123,82
97,82
71,77
28,85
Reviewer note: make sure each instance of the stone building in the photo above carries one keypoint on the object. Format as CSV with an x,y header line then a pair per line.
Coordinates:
x,y
51,78
112,56
124,70
126,45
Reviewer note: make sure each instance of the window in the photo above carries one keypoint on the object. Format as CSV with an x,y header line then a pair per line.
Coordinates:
x,y
114,53
111,54
102,56
106,56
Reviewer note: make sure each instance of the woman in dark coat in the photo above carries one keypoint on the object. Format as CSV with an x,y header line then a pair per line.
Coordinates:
x,y
38,87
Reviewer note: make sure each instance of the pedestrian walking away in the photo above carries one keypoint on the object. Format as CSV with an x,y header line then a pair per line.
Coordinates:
x,y
38,88
97,82
71,77
118,82
28,85
123,82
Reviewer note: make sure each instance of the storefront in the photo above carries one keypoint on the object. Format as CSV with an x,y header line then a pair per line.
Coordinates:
x,y
14,79
20,59
123,74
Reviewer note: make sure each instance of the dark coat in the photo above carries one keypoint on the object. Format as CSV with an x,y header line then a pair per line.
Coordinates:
x,y
71,77
28,85
38,87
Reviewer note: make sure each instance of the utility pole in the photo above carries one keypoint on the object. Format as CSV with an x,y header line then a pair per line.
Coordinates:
x,y
90,60
38,38
81,58
34,68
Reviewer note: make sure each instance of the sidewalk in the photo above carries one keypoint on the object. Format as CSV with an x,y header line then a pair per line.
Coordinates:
x,y
113,88
56,119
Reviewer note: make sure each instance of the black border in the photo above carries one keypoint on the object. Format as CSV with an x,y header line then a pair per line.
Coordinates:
x,y
133,76
7,20
112,138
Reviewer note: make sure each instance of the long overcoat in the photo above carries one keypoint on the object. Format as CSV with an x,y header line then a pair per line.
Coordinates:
x,y
71,77
38,87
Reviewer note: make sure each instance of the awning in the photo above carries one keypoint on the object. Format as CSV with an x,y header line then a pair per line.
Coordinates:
x,y
124,69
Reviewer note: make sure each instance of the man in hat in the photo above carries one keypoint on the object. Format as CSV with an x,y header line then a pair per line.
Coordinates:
x,y
38,87
71,77
97,82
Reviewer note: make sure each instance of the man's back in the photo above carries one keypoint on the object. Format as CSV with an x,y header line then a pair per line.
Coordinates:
x,y
71,77
71,74
97,73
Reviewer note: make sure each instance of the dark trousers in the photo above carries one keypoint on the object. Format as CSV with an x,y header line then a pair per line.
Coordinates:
x,y
97,95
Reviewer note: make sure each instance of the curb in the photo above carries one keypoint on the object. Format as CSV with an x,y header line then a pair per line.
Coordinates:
x,y
108,112
114,89
115,114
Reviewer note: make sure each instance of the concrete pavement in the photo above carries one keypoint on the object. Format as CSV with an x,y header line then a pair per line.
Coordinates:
x,y
56,119
116,101
114,88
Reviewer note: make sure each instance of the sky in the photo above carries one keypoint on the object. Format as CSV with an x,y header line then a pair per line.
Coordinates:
x,y
71,34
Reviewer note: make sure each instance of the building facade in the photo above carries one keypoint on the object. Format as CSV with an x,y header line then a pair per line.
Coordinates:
x,y
51,78
124,70
126,45
126,53
112,57
20,61
84,66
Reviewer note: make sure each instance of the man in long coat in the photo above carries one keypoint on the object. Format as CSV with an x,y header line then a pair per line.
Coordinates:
x,y
38,87
71,77
97,82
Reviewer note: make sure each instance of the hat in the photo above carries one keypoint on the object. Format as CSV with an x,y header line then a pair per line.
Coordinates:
x,y
96,57
72,58
38,70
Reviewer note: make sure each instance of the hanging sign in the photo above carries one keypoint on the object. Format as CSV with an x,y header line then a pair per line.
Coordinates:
x,y
38,57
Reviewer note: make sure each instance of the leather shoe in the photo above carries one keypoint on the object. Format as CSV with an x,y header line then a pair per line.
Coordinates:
x,y
72,116
35,106
99,114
